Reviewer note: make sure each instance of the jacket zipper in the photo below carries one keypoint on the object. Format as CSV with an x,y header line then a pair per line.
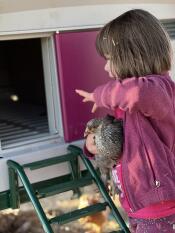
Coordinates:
x,y
140,133
125,191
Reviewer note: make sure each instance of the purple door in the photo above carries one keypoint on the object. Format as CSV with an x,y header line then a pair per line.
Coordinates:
x,y
79,67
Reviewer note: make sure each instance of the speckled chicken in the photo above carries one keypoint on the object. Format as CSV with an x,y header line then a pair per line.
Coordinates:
x,y
108,140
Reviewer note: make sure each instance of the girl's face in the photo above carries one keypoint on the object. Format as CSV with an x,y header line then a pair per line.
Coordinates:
x,y
107,68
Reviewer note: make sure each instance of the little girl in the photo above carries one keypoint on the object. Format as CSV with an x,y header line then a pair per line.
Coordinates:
x,y
138,57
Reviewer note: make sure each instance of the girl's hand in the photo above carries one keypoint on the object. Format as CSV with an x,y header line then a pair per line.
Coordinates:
x,y
88,97
90,144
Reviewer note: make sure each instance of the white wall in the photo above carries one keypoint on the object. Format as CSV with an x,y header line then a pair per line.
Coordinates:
x,y
62,18
25,5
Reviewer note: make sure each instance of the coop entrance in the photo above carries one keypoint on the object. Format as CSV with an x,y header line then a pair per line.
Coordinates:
x,y
23,99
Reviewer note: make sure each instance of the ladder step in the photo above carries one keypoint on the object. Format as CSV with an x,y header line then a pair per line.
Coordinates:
x,y
63,187
50,161
76,214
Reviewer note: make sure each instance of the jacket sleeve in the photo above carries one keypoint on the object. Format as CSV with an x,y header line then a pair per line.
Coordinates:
x,y
150,96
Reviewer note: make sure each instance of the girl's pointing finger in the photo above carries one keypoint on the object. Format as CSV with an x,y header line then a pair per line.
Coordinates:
x,y
82,93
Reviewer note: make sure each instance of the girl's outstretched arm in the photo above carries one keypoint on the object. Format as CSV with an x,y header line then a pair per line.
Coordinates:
x,y
152,96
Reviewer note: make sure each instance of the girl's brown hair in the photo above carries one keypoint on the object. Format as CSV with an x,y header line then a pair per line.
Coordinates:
x,y
136,44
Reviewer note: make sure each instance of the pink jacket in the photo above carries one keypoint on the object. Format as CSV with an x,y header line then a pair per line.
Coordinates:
x,y
148,161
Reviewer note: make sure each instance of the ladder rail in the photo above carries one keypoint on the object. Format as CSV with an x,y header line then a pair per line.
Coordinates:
x,y
36,204
101,187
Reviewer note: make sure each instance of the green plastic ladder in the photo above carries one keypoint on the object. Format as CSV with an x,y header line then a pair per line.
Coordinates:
x,y
78,180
